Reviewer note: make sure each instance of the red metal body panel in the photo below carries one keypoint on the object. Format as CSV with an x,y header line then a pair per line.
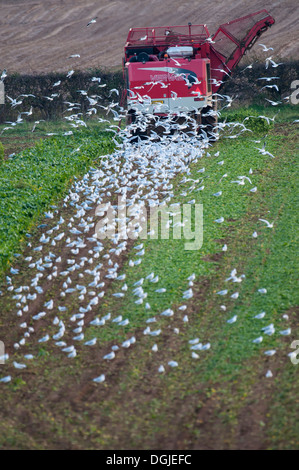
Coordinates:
x,y
232,39
158,79
170,82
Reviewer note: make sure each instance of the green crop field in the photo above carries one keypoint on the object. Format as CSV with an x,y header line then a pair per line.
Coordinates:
x,y
218,397
37,177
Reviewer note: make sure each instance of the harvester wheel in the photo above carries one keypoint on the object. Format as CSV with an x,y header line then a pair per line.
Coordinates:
x,y
209,117
131,117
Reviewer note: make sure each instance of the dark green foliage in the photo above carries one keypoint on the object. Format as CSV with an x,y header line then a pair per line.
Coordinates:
x,y
42,85
249,117
1,153
37,177
245,86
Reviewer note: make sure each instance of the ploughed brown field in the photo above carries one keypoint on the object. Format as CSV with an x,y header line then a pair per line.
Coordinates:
x,y
38,36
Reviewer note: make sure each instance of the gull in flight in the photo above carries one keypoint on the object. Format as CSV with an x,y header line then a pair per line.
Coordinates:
x,y
209,40
3,75
268,223
248,67
264,152
274,64
268,79
14,102
94,20
271,86
224,71
274,103
262,117
265,48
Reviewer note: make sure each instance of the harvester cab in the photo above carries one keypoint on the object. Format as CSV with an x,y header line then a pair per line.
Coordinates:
x,y
177,69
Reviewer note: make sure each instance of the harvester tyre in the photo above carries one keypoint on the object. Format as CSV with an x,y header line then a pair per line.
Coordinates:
x,y
209,120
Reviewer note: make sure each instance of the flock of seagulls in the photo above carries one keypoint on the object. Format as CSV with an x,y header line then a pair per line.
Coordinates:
x,y
140,170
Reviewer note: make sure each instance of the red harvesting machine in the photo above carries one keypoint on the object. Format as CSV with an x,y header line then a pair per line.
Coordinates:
x,y
175,69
